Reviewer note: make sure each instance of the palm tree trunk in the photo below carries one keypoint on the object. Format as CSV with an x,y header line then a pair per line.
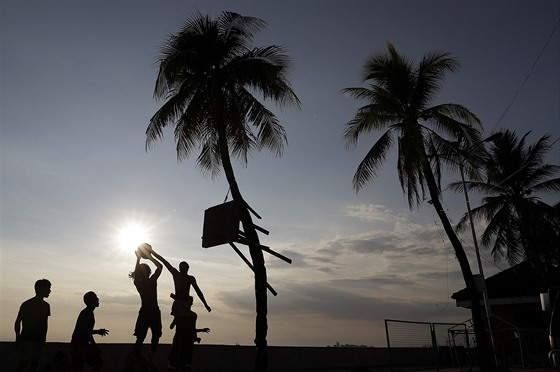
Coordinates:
x,y
261,324
484,357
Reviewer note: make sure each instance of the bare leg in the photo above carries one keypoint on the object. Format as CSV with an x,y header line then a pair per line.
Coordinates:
x,y
154,344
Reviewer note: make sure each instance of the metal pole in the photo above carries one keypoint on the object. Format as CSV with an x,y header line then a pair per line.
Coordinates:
x,y
388,345
481,272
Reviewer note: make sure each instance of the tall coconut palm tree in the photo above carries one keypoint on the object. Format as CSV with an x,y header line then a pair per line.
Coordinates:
x,y
520,225
208,77
398,104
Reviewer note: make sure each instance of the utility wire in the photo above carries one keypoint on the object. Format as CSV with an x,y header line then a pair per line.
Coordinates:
x,y
517,93
526,78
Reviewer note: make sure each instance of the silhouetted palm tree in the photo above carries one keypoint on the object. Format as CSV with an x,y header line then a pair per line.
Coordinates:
x,y
520,225
399,97
208,76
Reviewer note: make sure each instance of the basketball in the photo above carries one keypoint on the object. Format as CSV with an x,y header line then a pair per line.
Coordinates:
x,y
144,250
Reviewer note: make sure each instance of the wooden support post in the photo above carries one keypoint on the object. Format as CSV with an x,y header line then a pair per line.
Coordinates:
x,y
251,266
246,241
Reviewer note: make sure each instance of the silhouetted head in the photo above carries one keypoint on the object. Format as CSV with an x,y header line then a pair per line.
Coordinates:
x,y
43,287
91,299
184,267
144,270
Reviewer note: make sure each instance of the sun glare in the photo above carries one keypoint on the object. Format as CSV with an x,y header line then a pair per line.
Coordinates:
x,y
131,235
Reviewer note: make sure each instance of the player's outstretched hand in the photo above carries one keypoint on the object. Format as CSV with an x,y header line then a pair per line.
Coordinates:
x,y
103,332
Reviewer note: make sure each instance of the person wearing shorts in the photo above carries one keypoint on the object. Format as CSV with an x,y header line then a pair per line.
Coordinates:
x,y
149,316
184,319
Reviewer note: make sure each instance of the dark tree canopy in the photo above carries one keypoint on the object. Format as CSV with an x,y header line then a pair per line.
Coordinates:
x,y
208,77
520,224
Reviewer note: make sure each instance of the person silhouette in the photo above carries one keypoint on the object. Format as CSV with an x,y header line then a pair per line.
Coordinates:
x,y
149,316
31,327
182,282
186,334
83,348
183,317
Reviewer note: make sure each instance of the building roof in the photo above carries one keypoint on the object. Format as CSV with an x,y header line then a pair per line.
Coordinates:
x,y
518,281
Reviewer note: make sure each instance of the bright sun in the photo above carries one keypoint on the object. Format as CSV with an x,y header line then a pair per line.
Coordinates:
x,y
131,235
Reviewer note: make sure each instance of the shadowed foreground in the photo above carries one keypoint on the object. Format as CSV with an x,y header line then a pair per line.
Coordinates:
x,y
224,358
213,358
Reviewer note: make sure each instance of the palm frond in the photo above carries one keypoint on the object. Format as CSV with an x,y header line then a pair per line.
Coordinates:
x,y
209,160
242,28
367,119
430,74
500,233
549,186
455,120
239,135
392,72
410,164
265,71
188,131
271,135
367,169
168,114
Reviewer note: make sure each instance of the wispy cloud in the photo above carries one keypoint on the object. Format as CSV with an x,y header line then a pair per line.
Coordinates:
x,y
375,212
401,270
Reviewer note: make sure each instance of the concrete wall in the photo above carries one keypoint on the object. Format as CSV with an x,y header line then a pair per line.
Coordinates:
x,y
213,358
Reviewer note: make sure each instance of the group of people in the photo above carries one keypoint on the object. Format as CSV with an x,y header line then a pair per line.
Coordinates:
x,y
31,331
149,316
32,320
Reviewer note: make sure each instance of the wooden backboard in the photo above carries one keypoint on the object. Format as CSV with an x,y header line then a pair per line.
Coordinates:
x,y
221,224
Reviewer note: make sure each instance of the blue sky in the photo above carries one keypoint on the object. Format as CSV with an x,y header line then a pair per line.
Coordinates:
x,y
75,99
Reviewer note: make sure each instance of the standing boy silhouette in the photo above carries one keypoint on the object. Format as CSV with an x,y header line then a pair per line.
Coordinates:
x,y
33,315
82,346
